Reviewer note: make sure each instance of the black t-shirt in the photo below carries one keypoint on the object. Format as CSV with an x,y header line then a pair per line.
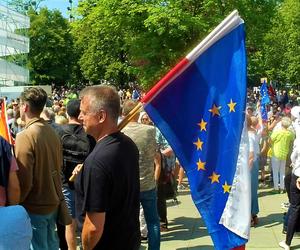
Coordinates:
x,y
109,183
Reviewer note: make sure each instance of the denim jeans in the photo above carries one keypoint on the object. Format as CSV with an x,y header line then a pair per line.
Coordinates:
x,y
278,167
254,187
149,202
44,232
15,228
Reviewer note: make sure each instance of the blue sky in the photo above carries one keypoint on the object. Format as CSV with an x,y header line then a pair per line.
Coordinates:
x,y
61,5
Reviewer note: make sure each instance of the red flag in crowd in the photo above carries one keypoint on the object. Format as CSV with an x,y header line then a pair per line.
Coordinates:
x,y
4,130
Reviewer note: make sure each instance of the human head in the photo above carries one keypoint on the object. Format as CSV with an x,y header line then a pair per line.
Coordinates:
x,y
286,122
48,115
129,105
103,97
99,109
295,112
145,119
61,120
10,113
250,111
73,108
254,121
33,101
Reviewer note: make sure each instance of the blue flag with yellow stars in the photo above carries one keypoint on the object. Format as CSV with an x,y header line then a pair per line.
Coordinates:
x,y
265,99
201,111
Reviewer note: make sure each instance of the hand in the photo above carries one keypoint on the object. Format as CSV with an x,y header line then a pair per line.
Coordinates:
x,y
75,172
298,183
77,169
258,104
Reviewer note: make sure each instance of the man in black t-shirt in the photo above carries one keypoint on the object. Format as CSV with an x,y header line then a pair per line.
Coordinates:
x,y
107,189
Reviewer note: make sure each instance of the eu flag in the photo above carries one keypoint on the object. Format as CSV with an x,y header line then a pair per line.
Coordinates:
x,y
265,99
200,109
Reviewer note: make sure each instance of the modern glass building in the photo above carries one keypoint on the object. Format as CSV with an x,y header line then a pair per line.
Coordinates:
x,y
14,46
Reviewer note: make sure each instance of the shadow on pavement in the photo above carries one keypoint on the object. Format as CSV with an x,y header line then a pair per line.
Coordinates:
x,y
172,203
267,192
197,248
184,228
270,220
184,192
295,247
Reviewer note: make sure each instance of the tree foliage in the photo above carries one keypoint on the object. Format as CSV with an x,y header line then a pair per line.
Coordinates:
x,y
282,45
140,40
124,41
51,56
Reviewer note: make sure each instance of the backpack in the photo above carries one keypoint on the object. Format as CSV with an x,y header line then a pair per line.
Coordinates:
x,y
76,147
167,179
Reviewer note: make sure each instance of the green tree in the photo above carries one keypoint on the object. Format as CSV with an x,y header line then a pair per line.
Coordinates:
x,y
140,40
102,42
51,57
282,45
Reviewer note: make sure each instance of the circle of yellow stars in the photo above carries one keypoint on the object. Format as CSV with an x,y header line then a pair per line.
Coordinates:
x,y
215,111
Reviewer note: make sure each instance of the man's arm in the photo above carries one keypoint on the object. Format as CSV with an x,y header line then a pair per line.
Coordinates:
x,y
251,159
167,152
13,190
298,183
25,161
157,166
92,229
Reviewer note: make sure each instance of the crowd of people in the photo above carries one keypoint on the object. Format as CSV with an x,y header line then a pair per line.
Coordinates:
x,y
119,175
122,178
273,143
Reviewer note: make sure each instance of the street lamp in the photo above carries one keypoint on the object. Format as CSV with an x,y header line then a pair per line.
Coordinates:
x,y
70,8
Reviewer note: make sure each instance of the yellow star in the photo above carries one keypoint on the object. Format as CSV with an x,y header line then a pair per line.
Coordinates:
x,y
231,106
199,144
214,177
201,165
215,110
202,125
226,187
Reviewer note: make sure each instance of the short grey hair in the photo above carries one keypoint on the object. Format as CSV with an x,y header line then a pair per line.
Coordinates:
x,y
286,122
103,97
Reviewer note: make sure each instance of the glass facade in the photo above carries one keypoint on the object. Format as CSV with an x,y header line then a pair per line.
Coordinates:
x,y
14,46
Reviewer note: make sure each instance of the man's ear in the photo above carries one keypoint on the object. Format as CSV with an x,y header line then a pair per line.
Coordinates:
x,y
26,107
102,116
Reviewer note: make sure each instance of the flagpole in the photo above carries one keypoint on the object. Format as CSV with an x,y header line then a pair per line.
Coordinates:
x,y
129,117
121,125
